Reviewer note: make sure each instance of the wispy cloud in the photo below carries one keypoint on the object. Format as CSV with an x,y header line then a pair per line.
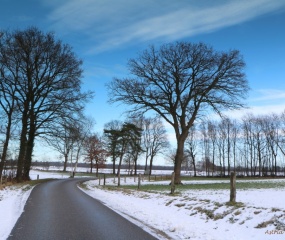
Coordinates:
x,y
269,95
264,102
113,23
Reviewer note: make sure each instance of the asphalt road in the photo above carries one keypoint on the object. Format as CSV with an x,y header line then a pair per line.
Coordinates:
x,y
58,210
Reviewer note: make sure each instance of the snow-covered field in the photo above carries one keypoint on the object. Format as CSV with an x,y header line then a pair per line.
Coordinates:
x,y
200,214
191,214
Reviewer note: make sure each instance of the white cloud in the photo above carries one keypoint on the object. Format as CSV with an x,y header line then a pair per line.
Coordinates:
x,y
115,23
265,102
269,95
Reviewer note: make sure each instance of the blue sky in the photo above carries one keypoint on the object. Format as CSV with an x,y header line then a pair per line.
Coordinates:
x,y
106,33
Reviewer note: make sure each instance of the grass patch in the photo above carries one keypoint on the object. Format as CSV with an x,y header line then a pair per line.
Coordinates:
x,y
235,204
171,201
211,213
238,212
25,185
83,185
264,224
180,205
207,186
275,209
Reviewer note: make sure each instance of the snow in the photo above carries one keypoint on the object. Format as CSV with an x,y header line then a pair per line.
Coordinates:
x,y
12,202
13,199
199,214
189,214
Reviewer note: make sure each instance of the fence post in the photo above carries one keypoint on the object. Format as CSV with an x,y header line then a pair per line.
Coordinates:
x,y
172,183
38,177
104,179
233,187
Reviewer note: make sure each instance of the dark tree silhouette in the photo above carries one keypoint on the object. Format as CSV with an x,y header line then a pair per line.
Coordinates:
x,y
48,77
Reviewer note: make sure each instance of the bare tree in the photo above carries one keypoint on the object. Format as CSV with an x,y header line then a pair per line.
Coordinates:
x,y
212,132
95,152
8,106
154,139
179,82
205,145
192,147
48,75
81,131
61,139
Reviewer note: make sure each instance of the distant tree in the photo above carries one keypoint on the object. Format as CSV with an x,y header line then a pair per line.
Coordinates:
x,y
154,139
81,131
95,152
133,134
112,136
205,146
212,132
61,139
192,148
47,75
123,140
179,82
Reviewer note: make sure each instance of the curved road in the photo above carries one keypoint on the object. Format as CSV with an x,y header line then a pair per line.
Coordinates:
x,y
58,210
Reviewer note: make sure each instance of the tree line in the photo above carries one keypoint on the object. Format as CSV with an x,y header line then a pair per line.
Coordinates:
x,y
252,146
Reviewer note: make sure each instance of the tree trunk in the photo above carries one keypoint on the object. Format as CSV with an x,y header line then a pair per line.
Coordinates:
x,y
233,187
120,163
76,162
150,164
97,169
29,150
194,166
65,162
179,157
91,166
6,143
23,145
28,159
114,165
146,160
136,163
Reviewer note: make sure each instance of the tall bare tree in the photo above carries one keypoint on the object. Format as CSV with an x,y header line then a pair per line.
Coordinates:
x,y
180,81
48,77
